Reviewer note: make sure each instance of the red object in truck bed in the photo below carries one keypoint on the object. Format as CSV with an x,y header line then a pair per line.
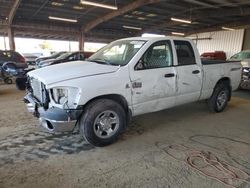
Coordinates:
x,y
217,55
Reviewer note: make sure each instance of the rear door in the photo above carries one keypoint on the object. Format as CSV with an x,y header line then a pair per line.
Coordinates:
x,y
154,79
189,73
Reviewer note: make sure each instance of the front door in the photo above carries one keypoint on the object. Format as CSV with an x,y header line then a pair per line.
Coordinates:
x,y
153,79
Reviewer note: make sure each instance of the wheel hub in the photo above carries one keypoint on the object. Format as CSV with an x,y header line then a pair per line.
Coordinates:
x,y
221,99
106,124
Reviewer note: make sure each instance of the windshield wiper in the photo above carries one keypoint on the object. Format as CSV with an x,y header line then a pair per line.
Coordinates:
x,y
101,61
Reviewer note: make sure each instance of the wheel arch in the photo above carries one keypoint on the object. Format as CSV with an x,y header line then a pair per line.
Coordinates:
x,y
115,97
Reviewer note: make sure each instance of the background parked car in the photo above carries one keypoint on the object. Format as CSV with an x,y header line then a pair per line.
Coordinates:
x,y
217,55
30,58
12,56
10,61
244,57
66,57
53,56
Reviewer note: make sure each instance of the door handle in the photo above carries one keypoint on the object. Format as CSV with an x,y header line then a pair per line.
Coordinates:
x,y
136,85
169,75
196,72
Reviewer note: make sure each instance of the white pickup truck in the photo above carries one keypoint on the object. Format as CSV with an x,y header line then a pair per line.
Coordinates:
x,y
126,78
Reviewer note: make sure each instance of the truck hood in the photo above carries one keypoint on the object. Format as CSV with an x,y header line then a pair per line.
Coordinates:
x,y
47,61
72,70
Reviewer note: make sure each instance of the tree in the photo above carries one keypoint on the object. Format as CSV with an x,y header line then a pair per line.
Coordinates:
x,y
45,45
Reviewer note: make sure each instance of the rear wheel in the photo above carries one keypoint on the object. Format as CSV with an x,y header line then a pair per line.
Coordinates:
x,y
102,122
221,95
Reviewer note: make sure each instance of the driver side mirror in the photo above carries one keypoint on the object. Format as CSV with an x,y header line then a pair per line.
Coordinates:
x,y
139,65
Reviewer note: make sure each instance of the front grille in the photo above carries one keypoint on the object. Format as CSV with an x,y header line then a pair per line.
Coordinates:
x,y
39,91
36,86
246,73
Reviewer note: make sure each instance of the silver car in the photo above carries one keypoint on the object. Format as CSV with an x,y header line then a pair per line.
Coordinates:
x,y
244,57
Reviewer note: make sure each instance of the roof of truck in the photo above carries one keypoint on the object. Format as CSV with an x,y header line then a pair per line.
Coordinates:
x,y
156,38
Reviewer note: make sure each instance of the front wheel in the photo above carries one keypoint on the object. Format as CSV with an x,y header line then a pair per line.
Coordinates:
x,y
221,95
102,122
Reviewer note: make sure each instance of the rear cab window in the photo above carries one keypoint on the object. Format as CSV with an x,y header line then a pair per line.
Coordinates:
x,y
184,52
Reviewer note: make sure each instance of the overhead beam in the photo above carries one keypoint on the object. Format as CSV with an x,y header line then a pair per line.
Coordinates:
x,y
200,3
40,8
47,29
236,25
199,15
34,30
243,11
132,6
13,11
229,4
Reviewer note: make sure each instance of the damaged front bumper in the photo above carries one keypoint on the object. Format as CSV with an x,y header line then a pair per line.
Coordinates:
x,y
245,81
53,119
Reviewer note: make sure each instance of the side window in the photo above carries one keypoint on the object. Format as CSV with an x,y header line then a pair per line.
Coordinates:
x,y
73,57
185,53
81,56
157,56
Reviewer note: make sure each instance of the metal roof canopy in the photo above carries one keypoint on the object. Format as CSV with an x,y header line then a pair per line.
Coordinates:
x,y
29,18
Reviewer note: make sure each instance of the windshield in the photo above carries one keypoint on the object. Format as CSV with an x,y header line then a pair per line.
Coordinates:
x,y
241,56
9,55
118,52
57,54
65,55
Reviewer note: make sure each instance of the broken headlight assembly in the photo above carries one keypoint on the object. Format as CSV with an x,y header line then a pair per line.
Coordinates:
x,y
246,72
59,95
67,97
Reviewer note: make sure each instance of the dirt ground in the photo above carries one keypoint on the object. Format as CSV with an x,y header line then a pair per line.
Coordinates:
x,y
31,158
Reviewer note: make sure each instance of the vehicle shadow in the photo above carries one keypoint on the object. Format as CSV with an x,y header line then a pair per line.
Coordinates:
x,y
244,94
39,145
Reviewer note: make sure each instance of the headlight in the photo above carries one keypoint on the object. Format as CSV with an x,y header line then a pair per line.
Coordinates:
x,y
59,95
66,97
245,64
247,70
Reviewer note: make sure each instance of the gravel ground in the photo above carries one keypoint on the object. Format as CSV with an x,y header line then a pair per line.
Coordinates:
x,y
31,158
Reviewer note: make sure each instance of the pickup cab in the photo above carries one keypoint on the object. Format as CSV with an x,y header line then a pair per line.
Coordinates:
x,y
126,78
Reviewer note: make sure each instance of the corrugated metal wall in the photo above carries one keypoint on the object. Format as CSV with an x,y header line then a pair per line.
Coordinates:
x,y
246,43
227,41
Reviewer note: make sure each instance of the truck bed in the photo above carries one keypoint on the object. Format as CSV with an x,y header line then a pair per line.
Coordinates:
x,y
212,62
213,70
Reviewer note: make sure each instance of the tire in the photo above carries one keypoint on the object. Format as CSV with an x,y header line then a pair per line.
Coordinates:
x,y
220,97
102,122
